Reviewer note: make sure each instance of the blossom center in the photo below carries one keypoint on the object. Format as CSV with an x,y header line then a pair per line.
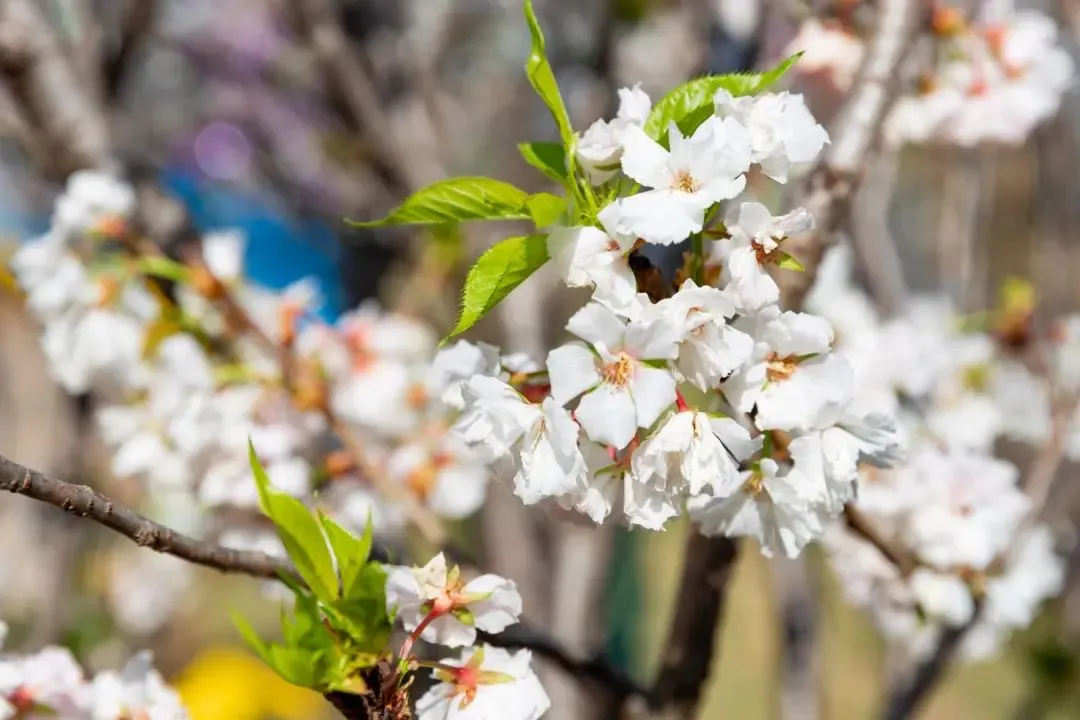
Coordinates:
x,y
422,480
619,371
755,484
780,368
416,397
685,182
22,699
767,251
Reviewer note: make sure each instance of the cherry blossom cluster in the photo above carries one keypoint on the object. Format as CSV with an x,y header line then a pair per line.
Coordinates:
x,y
183,382
711,399
51,684
991,78
958,509
436,604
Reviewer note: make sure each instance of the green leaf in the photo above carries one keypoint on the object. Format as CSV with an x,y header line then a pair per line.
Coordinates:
x,y
691,104
547,157
542,78
352,553
163,267
251,638
297,665
546,209
498,271
788,262
299,532
304,627
363,613
457,200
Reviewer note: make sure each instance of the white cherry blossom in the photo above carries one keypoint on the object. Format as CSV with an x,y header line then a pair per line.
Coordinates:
x,y
485,683
619,390
711,349
697,173
600,147
791,380
488,602
765,505
755,243
783,134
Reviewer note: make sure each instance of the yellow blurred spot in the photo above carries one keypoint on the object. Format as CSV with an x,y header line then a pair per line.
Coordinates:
x,y
224,683
1018,295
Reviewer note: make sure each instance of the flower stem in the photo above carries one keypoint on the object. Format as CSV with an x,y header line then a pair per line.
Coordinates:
x,y
407,645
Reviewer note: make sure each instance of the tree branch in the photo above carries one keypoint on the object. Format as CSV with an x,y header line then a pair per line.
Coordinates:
x,y
830,187
691,645
904,560
139,20
42,81
352,89
84,502
908,697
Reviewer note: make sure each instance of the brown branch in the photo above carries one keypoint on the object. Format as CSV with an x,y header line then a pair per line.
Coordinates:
x,y
907,698
138,22
691,645
830,187
84,502
40,77
904,560
352,89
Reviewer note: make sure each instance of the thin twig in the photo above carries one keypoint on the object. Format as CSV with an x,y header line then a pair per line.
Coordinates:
x,y
44,83
905,700
352,89
138,22
82,501
904,560
829,188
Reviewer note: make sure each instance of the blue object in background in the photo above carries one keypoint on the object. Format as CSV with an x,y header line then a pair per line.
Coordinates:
x,y
280,249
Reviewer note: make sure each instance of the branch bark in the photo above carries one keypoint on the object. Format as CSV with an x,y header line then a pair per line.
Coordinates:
x,y
692,647
830,187
37,70
84,502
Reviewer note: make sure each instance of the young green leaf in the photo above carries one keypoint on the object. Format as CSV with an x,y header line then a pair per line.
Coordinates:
x,y
304,626
351,552
788,262
163,267
542,78
547,157
299,666
691,104
457,200
299,532
251,638
362,612
498,271
546,209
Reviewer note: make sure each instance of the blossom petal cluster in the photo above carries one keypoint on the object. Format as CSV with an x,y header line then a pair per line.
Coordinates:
x,y
183,380
992,78
50,683
952,504
659,407
436,604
